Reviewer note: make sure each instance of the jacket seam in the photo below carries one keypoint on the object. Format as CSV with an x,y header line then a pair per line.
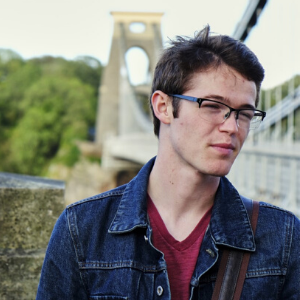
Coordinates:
x,y
71,218
287,249
267,205
119,265
97,197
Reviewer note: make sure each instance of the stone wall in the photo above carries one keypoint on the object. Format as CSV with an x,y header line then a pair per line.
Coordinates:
x,y
29,208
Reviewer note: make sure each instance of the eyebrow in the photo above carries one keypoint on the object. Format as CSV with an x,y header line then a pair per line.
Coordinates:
x,y
227,101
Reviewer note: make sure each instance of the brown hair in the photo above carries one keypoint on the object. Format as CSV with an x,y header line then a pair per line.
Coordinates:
x,y
186,55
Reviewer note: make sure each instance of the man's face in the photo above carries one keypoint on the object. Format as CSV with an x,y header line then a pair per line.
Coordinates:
x,y
206,147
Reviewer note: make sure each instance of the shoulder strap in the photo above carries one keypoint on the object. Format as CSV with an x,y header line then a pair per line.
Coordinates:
x,y
234,263
246,257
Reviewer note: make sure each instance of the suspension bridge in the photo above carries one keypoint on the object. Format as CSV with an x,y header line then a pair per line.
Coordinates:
x,y
268,167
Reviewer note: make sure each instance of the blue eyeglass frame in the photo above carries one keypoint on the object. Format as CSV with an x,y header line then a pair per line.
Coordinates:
x,y
200,100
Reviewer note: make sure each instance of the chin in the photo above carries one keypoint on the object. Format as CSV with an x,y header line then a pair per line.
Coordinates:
x,y
220,172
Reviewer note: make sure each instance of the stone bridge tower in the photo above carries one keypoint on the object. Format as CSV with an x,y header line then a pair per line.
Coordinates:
x,y
119,112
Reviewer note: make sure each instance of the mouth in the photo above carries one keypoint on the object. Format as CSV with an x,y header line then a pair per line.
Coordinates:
x,y
224,145
224,148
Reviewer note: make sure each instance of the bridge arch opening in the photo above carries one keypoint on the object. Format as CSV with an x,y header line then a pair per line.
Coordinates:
x,y
137,62
137,27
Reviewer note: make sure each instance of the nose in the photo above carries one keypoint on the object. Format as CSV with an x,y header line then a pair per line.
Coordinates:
x,y
230,123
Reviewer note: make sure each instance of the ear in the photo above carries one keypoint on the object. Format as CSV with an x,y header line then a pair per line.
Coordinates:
x,y
162,106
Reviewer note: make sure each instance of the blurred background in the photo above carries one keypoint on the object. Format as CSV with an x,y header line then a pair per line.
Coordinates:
x,y
61,60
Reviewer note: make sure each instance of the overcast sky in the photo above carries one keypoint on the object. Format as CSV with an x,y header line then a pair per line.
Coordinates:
x,y
84,27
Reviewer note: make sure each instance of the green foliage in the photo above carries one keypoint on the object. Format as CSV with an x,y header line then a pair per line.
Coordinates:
x,y
46,104
33,141
18,77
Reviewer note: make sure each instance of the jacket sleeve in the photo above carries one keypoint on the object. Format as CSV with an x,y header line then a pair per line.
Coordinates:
x,y
291,285
60,276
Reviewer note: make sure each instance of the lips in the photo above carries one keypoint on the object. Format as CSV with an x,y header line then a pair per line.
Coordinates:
x,y
224,148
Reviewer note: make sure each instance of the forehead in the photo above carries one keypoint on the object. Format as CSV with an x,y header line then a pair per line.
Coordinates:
x,y
225,83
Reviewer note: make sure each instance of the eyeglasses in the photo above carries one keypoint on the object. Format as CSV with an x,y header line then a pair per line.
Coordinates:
x,y
217,112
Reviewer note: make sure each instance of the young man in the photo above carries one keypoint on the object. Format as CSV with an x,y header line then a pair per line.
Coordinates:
x,y
161,236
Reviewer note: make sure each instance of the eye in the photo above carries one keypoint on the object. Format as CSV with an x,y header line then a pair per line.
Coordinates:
x,y
246,114
212,105
257,116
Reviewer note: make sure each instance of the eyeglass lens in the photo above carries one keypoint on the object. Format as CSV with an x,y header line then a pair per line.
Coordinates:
x,y
217,113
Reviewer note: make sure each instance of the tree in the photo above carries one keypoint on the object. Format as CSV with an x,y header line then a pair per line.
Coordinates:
x,y
45,105
57,112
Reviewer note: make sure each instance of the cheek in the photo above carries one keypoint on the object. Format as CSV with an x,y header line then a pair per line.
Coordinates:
x,y
190,128
240,142
242,137
183,134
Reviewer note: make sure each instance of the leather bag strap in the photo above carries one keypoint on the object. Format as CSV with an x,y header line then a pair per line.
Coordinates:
x,y
234,263
246,257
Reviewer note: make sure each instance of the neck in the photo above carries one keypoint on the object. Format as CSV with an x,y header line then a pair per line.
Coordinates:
x,y
181,195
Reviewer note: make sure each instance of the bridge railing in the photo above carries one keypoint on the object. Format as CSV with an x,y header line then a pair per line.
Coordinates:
x,y
269,172
282,110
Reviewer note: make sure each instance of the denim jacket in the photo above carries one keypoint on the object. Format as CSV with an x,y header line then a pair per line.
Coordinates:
x,y
101,248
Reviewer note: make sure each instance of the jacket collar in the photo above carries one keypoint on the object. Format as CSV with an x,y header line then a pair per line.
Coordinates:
x,y
229,223
132,210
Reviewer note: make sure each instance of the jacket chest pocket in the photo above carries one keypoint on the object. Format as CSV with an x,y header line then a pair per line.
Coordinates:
x,y
107,298
261,285
119,283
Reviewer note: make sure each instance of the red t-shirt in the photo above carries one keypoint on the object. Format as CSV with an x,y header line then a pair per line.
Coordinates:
x,y
181,256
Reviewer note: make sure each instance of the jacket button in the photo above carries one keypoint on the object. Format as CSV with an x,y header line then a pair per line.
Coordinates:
x,y
159,290
210,252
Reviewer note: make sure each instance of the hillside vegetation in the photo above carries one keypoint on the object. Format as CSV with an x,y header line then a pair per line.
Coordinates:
x,y
45,105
